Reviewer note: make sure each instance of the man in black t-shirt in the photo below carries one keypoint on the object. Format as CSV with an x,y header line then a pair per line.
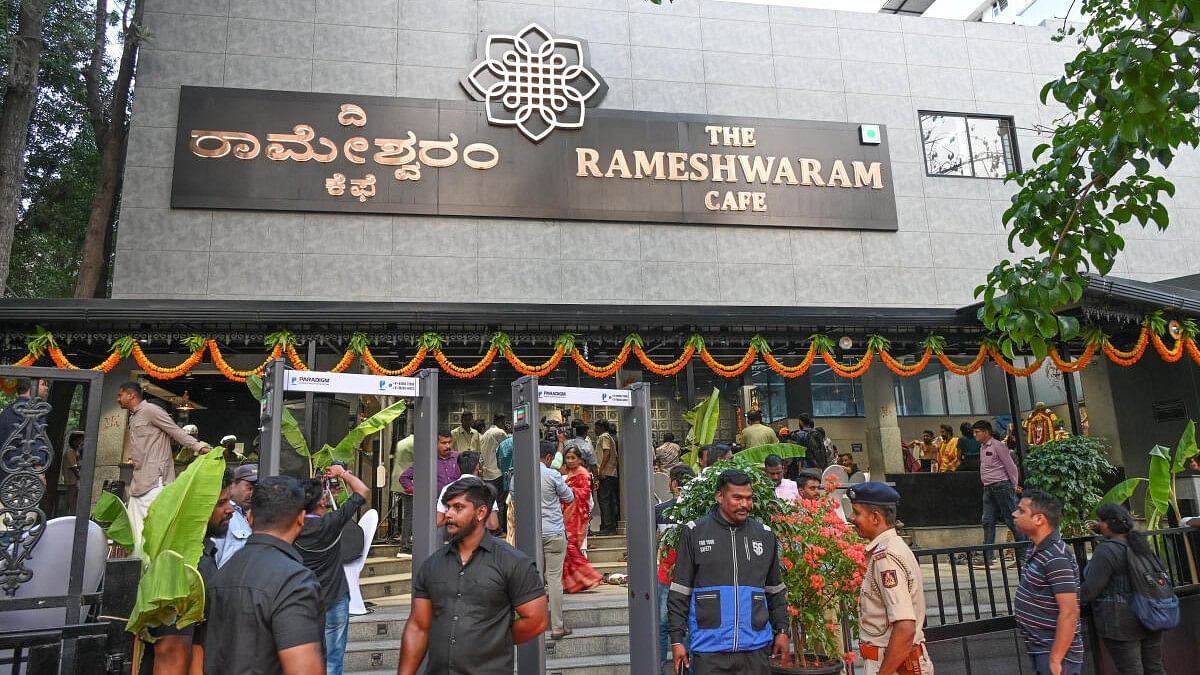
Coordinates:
x,y
320,547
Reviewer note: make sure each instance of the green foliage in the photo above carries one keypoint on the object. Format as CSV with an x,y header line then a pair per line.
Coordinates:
x,y
756,455
109,512
171,590
1132,97
346,447
699,496
1121,492
1185,449
291,428
702,421
1158,494
1071,469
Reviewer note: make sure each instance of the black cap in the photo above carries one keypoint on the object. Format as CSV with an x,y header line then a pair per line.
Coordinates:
x,y
873,492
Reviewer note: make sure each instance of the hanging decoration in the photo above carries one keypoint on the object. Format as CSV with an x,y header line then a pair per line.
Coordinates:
x,y
1179,340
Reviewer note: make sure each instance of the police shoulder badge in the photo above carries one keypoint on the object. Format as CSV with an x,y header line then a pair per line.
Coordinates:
x,y
889,578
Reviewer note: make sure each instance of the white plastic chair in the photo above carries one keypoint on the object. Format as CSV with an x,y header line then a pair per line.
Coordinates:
x,y
50,562
369,523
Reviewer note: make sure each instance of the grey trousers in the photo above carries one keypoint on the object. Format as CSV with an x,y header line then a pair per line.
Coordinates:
x,y
554,550
757,662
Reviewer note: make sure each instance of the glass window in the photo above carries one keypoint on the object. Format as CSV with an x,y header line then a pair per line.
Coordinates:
x,y
834,396
769,388
921,394
962,145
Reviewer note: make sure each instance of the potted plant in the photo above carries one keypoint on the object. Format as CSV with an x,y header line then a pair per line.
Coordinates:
x,y
822,558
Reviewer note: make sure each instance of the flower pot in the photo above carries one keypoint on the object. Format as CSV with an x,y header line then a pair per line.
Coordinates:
x,y
792,667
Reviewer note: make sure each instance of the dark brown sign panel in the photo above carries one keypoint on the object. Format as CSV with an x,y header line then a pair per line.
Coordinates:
x,y
293,151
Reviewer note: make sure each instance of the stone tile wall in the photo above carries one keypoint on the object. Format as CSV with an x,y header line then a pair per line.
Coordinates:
x,y
689,56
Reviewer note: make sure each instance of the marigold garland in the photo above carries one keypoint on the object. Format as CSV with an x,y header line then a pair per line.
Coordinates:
x,y
1132,356
465,373
43,342
537,371
239,375
903,370
1073,366
404,371
974,365
599,372
853,371
729,371
791,371
668,369
1169,355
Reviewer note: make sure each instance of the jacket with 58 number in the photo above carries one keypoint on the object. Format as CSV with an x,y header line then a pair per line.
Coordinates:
x,y
727,592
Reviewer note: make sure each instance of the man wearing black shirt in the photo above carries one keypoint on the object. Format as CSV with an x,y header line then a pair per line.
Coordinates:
x,y
320,548
263,606
464,595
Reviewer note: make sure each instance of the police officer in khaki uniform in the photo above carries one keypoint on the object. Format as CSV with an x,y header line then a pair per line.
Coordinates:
x,y
892,601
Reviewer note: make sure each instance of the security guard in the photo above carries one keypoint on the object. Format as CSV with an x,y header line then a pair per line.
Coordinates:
x,y
892,601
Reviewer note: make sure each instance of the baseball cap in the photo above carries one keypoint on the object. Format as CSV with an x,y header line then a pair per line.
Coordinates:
x,y
248,472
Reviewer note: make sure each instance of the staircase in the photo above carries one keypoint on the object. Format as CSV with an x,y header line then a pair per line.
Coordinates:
x,y
599,619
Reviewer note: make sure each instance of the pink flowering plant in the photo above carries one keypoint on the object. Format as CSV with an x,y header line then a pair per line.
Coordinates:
x,y
823,565
822,557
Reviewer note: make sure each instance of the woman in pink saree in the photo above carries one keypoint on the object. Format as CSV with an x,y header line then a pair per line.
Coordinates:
x,y
578,573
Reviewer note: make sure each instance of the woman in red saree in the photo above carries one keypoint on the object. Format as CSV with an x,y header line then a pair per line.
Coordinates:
x,y
578,573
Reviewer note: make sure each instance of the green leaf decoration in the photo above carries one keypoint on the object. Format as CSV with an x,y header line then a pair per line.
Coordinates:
x,y
40,341
124,346
287,422
759,343
1185,449
878,343
501,342
1156,322
109,512
358,343
194,343
822,344
348,446
178,517
703,423
429,341
1158,495
169,592
281,339
1093,335
566,341
757,454
1121,492
634,340
696,341
934,343
323,457
1189,328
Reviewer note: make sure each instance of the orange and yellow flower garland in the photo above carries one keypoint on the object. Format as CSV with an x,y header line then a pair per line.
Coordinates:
x,y
431,343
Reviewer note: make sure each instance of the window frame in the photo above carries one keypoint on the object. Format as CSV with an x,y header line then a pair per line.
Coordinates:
x,y
967,117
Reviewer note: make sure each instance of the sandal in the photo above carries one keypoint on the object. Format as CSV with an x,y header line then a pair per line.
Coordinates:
x,y
558,635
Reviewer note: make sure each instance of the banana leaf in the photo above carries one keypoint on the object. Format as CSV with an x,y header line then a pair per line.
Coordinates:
x,y
1186,449
1158,495
703,419
109,509
1121,492
346,447
756,455
179,515
287,422
169,592
323,457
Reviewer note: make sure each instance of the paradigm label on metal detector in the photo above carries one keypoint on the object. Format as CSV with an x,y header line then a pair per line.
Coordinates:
x,y
350,383
621,398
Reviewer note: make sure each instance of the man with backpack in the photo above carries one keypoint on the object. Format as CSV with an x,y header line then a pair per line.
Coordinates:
x,y
1122,581
1047,602
816,455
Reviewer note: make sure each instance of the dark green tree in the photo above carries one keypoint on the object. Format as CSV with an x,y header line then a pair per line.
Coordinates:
x,y
1132,95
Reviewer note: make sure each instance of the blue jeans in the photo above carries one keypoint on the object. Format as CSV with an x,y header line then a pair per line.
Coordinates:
x,y
337,629
999,502
1041,665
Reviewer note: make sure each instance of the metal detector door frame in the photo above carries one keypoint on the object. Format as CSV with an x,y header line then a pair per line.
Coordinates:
x,y
422,389
636,462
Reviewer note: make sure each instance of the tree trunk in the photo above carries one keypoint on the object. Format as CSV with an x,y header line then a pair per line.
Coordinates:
x,y
20,96
93,270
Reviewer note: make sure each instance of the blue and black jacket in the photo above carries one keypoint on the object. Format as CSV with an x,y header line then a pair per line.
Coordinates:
x,y
728,593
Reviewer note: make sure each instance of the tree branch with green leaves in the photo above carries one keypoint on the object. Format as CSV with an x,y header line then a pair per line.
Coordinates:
x,y
1132,96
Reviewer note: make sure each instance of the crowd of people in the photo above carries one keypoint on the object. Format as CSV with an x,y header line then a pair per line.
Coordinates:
x,y
277,596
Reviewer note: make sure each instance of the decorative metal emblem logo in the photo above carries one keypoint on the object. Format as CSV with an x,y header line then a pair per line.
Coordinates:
x,y
24,456
535,82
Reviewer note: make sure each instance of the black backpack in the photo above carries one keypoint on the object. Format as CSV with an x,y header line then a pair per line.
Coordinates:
x,y
1153,596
